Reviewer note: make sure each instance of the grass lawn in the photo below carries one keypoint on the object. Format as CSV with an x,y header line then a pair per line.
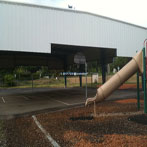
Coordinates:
x,y
59,83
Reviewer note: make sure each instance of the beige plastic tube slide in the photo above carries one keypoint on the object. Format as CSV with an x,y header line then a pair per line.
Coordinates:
x,y
118,79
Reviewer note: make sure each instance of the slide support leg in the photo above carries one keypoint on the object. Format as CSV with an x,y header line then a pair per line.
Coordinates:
x,y
138,92
144,80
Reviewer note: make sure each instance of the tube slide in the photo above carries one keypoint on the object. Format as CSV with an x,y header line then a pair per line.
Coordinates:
x,y
118,79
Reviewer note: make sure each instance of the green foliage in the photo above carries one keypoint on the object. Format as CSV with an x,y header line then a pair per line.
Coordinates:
x,y
9,80
19,70
33,69
9,76
44,71
119,62
24,73
92,67
36,75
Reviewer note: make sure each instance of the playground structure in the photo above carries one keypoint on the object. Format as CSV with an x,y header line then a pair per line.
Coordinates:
x,y
137,64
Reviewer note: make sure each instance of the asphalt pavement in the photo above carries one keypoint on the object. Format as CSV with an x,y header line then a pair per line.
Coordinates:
x,y
25,101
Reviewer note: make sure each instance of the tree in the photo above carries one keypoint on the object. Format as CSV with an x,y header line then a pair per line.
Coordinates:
x,y
19,71
119,62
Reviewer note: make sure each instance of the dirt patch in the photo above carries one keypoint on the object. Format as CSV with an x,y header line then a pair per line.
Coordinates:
x,y
124,101
128,86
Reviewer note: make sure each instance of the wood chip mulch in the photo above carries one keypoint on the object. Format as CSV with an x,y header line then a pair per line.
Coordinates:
x,y
74,128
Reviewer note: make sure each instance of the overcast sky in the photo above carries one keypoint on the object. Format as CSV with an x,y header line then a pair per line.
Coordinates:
x,y
133,11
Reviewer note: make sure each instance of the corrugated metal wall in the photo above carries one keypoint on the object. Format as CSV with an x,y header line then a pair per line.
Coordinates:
x,y
33,29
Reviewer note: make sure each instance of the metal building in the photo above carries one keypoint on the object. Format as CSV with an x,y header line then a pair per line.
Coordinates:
x,y
41,35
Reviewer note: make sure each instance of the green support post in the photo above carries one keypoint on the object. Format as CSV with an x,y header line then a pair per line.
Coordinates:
x,y
144,80
65,81
138,92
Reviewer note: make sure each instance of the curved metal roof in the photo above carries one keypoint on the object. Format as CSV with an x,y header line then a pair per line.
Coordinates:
x,y
69,10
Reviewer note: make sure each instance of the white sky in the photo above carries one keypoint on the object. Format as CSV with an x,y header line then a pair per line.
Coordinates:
x,y
133,11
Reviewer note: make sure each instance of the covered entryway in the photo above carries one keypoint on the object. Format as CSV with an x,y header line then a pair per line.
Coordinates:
x,y
22,101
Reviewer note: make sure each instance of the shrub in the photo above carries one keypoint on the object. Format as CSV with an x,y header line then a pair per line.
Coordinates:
x,y
36,75
9,80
